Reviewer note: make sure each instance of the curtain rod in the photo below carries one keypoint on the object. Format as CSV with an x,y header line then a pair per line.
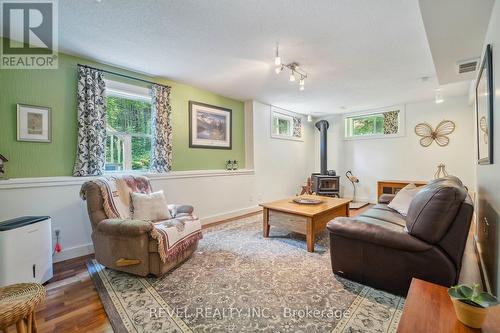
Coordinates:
x,y
123,75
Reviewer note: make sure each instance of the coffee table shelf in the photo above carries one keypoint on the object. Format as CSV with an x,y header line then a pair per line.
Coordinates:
x,y
307,220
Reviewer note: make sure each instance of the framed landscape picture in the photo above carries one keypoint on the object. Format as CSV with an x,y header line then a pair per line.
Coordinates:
x,y
209,126
484,110
33,123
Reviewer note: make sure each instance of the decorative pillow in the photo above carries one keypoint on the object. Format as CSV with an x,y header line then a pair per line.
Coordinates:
x,y
150,207
402,200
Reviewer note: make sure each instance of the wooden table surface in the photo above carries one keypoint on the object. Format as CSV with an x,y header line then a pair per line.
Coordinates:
x,y
429,309
288,206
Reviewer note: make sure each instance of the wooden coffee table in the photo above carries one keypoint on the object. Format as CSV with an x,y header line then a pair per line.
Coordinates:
x,y
428,309
303,219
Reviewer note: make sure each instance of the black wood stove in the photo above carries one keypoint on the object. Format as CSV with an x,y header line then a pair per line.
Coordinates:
x,y
326,182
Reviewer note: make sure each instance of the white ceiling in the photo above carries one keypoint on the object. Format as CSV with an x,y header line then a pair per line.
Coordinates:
x,y
455,30
359,54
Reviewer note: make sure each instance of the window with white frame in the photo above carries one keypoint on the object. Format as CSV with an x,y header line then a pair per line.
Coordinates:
x,y
379,123
128,142
286,125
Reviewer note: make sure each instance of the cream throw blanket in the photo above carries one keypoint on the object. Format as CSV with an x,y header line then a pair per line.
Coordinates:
x,y
173,236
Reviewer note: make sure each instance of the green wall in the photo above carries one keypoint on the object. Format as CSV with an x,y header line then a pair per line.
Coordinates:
x,y
57,89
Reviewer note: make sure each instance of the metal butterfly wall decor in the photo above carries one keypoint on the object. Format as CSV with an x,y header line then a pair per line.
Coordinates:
x,y
440,134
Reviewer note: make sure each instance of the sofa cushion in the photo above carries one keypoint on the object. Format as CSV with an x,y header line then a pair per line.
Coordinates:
x,y
434,208
127,228
403,199
385,214
376,232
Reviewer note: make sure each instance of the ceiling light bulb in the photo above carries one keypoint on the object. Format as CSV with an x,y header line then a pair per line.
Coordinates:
x,y
278,69
301,82
277,58
292,77
439,97
309,118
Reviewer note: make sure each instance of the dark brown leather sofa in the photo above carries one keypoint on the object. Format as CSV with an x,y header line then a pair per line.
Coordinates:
x,y
385,250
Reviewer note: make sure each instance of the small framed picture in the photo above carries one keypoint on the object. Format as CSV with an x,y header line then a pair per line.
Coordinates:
x,y
209,126
33,123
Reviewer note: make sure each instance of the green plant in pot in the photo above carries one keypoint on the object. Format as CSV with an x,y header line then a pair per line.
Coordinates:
x,y
471,305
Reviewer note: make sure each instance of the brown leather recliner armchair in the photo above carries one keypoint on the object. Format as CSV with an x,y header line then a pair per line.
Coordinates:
x,y
118,239
385,250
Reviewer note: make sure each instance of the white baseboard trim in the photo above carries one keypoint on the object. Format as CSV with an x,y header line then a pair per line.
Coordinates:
x,y
229,215
73,252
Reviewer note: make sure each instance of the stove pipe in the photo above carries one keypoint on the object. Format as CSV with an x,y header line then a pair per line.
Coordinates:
x,y
322,126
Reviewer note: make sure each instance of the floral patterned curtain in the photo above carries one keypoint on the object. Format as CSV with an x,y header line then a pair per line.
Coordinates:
x,y
297,127
91,145
391,122
161,132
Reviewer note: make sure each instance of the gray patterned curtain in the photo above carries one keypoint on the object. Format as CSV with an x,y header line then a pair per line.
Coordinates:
x,y
161,131
391,122
90,151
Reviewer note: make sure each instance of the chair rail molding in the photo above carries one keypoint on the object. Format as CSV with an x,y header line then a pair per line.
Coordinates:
x,y
69,180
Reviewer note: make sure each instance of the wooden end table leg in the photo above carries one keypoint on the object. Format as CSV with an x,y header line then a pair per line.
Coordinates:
x,y
310,235
265,223
347,211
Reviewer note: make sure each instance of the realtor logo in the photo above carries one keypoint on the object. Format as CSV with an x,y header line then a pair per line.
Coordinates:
x,y
29,30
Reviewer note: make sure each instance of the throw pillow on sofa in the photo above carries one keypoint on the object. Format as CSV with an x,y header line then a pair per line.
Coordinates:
x,y
150,207
402,200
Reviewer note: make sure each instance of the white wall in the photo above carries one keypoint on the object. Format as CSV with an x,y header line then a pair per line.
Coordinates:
x,y
280,167
488,176
402,158
214,196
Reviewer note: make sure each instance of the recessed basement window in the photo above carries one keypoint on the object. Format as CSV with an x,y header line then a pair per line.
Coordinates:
x,y
128,141
387,122
286,125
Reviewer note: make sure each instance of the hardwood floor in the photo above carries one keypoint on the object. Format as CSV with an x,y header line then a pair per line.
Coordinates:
x,y
72,303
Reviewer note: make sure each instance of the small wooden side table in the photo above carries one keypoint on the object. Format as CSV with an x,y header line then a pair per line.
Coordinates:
x,y
428,309
393,186
17,306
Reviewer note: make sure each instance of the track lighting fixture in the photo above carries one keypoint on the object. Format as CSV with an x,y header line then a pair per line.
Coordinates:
x,y
277,58
295,71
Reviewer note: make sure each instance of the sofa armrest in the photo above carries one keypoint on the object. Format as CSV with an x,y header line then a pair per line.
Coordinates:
x,y
375,234
176,209
386,198
121,227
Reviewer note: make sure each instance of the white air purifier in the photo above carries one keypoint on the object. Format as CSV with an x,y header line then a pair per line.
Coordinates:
x,y
25,250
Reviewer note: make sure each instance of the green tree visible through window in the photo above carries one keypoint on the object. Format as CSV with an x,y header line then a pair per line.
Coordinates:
x,y
368,125
129,134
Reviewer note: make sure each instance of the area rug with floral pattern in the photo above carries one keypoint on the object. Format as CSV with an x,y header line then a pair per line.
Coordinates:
x,y
238,281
